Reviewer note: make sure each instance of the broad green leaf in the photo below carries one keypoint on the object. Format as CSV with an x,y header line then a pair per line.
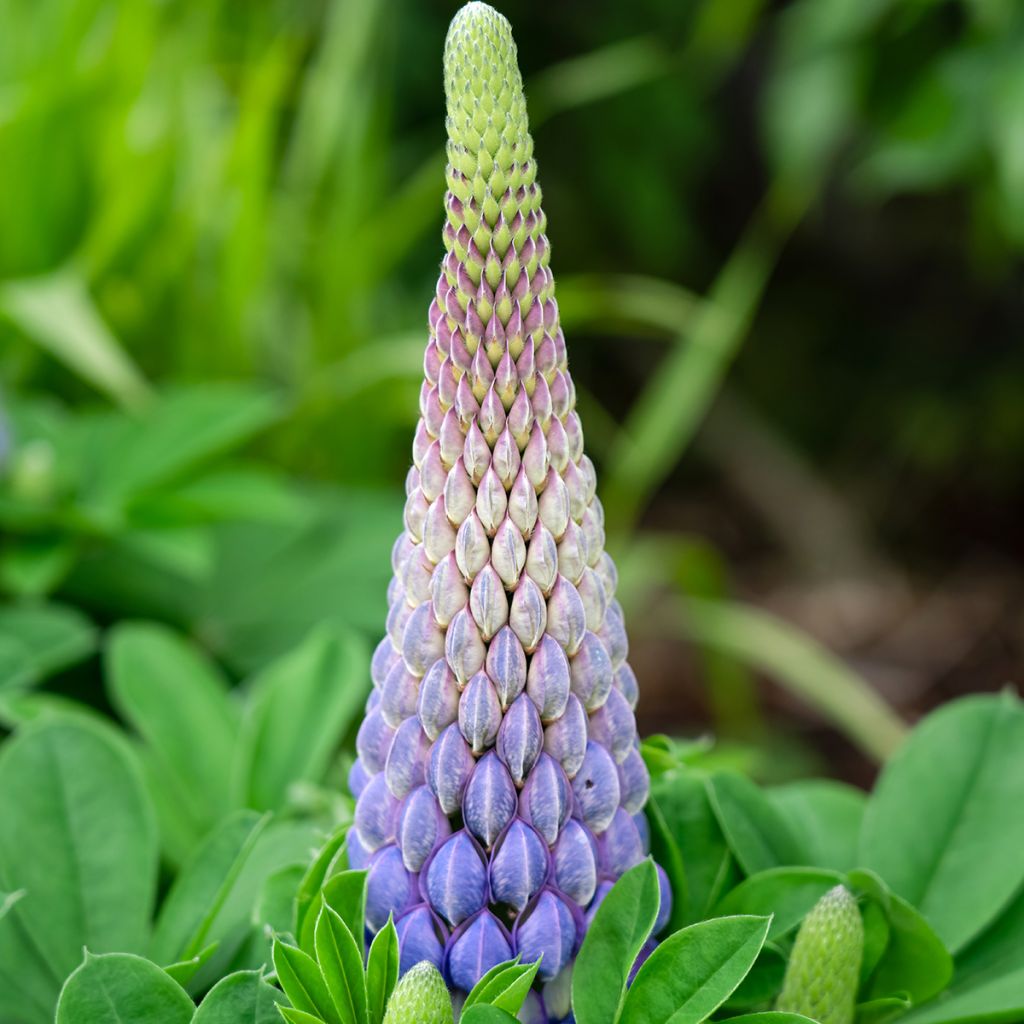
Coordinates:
x,y
78,837
694,971
506,986
241,998
756,833
276,906
179,703
298,1016
341,964
481,1013
915,961
682,800
381,971
201,888
785,893
881,1011
937,827
613,941
771,1017
29,985
183,971
315,876
115,988
38,640
303,983
299,709
825,817
666,852
763,982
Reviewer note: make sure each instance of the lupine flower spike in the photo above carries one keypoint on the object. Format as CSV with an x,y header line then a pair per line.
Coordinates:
x,y
499,781
824,967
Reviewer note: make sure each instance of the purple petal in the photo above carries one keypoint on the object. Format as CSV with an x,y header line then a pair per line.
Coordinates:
x,y
421,826
374,741
376,814
547,682
420,937
464,647
455,882
547,929
519,866
545,801
520,738
533,1010
575,860
448,591
634,782
490,800
620,845
626,684
603,888
474,949
358,777
358,855
423,640
506,665
399,696
613,635
591,672
596,786
613,726
645,951
438,701
566,739
389,887
665,908
384,658
479,713
407,759
567,618
642,826
451,765
528,614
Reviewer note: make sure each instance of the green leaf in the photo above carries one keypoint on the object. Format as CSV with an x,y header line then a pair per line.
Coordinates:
x,y
381,971
613,941
825,817
37,640
763,982
666,852
308,894
771,1017
244,997
200,890
179,703
505,986
341,964
303,983
299,709
694,971
682,801
937,828
757,834
915,960
183,971
345,894
481,1013
116,988
880,1011
786,893
78,837
276,907
298,1016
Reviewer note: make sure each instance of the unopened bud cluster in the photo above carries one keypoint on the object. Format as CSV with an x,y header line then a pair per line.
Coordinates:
x,y
499,782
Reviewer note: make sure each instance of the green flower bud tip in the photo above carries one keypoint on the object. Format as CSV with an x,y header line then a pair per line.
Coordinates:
x,y
421,997
824,968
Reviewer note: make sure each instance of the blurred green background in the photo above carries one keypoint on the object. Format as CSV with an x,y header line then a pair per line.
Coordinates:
x,y
788,248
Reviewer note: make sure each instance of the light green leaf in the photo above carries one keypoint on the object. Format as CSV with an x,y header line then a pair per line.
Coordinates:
x,y
38,640
308,892
381,971
303,983
825,816
116,988
244,997
786,893
341,964
505,986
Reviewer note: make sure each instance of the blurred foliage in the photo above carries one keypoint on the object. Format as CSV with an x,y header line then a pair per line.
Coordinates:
x,y
218,233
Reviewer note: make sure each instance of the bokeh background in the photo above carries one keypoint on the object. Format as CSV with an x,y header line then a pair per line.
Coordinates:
x,y
788,250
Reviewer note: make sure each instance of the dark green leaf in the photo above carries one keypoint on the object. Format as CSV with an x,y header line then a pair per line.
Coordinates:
x,y
303,983
341,964
694,971
614,939
241,998
914,961
786,893
825,817
381,971
757,834
937,828
116,988
880,1011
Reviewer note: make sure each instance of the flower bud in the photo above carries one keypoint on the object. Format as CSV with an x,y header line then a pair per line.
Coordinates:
x,y
474,949
488,602
399,695
547,930
389,887
455,878
626,684
566,738
528,615
542,559
547,681
421,826
479,713
519,866
506,665
373,741
665,895
596,786
575,862
448,590
358,777
634,782
520,737
451,765
490,800
407,758
420,997
546,798
423,641
437,705
613,726
619,845
376,814
567,620
591,672
420,937
464,647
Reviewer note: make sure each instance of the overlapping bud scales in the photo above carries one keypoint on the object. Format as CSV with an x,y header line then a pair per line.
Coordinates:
x,y
499,782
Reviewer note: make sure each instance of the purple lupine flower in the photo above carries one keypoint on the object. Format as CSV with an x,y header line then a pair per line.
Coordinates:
x,y
499,784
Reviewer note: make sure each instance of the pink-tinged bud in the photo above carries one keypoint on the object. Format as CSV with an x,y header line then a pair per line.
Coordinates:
x,y
572,553
508,553
421,826
536,461
547,930
451,765
476,455
408,758
389,887
576,486
566,618
634,782
448,591
474,949
376,814
464,647
613,726
459,494
373,741
546,799
619,846
547,681
491,501
505,460
506,665
558,446
398,616
565,739
455,879
398,698
519,866
522,504
520,738
490,800
433,472
542,558
626,684
423,642
591,672
472,548
554,505
479,713
595,601
414,586
488,602
529,614
438,703
438,532
596,786
533,1011
575,862
420,937
416,506
400,552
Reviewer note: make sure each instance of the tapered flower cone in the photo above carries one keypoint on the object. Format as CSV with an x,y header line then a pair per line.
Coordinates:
x,y
499,782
